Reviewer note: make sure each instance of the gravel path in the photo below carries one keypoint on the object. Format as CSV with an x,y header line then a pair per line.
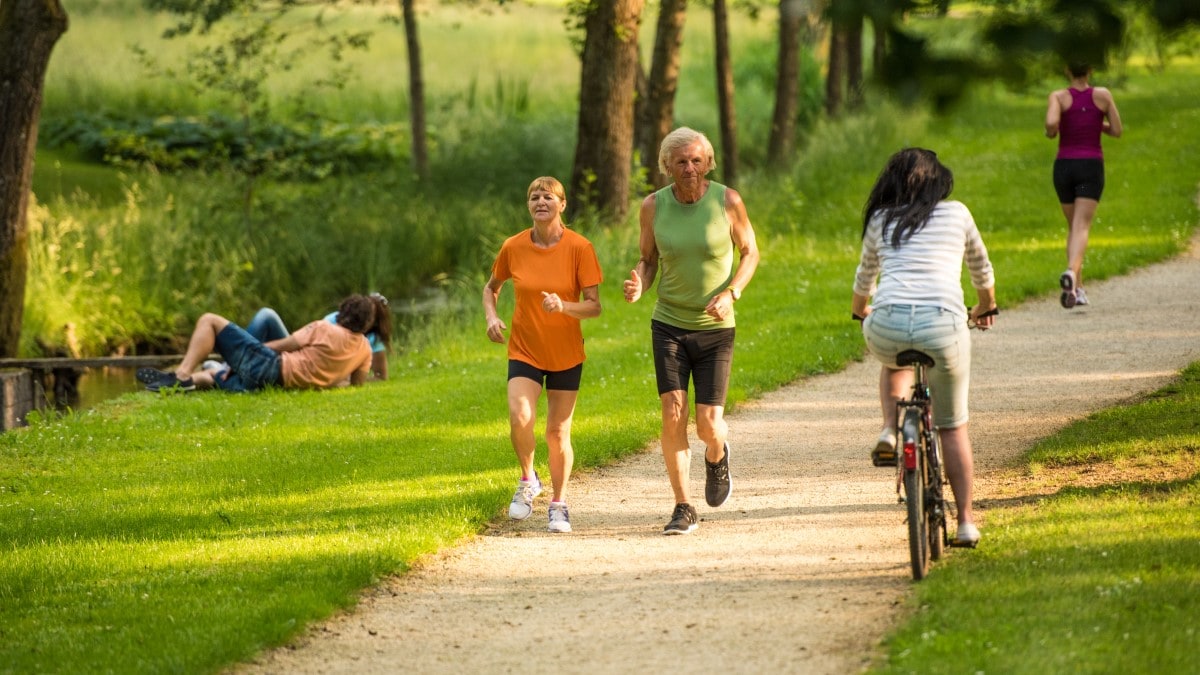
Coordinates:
x,y
805,569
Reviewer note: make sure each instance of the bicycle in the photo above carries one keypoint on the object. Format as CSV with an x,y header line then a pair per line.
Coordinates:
x,y
920,480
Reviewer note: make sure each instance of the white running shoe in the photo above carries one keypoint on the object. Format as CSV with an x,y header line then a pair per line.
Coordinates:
x,y
560,519
1080,297
521,506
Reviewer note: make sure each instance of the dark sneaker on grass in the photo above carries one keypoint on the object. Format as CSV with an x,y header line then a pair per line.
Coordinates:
x,y
168,381
717,483
683,520
150,375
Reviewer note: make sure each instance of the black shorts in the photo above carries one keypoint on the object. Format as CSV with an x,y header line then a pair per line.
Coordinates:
x,y
702,356
1074,178
558,380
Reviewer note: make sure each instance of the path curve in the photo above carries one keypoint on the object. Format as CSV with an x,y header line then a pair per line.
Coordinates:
x,y
804,570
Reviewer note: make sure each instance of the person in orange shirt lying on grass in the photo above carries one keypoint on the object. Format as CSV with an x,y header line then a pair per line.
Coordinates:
x,y
318,356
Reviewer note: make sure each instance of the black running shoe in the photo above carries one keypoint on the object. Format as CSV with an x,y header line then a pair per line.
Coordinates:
x,y
717,483
150,375
1067,283
683,520
168,381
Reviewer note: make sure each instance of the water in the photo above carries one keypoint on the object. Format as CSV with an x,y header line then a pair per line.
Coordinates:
x,y
100,384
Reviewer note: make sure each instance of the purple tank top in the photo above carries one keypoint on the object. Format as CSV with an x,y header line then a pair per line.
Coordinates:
x,y
1079,128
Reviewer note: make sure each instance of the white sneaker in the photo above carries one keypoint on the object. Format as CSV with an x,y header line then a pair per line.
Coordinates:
x,y
560,519
1080,297
884,453
521,505
967,535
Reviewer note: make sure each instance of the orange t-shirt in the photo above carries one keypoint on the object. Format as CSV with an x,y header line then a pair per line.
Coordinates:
x,y
328,354
544,340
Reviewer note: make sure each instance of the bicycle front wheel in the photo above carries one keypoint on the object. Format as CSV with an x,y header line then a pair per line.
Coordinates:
x,y
914,495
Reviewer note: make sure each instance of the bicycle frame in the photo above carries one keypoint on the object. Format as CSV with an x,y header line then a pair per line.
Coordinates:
x,y
919,479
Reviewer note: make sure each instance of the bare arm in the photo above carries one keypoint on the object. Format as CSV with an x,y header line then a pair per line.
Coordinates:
x,y
379,365
287,344
742,233
642,276
495,325
859,306
1053,114
1112,122
587,308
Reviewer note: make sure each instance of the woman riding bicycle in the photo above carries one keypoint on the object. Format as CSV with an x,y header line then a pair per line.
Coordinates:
x,y
914,242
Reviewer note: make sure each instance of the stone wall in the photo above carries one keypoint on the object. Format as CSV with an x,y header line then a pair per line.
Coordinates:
x,y
19,393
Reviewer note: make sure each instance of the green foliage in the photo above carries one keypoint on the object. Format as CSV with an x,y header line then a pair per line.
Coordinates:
x,y
312,151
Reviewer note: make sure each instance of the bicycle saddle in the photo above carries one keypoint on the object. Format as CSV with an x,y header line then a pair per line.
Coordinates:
x,y
910,356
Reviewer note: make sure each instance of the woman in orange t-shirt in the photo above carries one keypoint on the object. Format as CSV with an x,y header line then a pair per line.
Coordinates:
x,y
556,283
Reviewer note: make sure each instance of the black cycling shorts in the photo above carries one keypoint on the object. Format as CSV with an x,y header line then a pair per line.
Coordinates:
x,y
558,380
702,356
1075,178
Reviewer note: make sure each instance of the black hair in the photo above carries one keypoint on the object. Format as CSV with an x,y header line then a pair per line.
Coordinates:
x,y
356,313
382,326
908,189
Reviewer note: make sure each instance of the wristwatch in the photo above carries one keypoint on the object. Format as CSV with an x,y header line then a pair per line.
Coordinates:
x,y
737,295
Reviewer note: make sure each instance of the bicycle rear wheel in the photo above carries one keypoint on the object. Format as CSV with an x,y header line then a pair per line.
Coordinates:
x,y
914,494
935,485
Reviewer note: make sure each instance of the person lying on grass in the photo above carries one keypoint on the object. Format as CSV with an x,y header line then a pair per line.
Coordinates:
x,y
318,356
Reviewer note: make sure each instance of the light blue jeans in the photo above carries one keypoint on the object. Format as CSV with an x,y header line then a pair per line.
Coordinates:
x,y
266,326
941,334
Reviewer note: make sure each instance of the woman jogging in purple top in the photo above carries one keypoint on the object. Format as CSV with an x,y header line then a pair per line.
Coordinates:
x,y
1077,115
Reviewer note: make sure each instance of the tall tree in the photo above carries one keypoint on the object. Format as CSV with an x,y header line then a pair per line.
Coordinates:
x,y
656,106
725,108
854,60
29,29
782,141
836,65
604,145
416,91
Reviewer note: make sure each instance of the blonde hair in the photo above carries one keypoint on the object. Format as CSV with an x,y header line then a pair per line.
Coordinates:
x,y
681,138
549,184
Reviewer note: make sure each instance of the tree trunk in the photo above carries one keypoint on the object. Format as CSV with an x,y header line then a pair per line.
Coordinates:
x,y
416,91
879,51
725,94
782,142
657,111
604,149
854,61
29,29
837,67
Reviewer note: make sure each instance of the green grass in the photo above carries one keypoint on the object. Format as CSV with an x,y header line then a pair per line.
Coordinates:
x,y
1093,579
187,532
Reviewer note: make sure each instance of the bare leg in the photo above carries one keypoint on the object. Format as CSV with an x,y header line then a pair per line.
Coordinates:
x,y
1079,220
204,338
522,414
713,430
677,455
560,409
960,469
894,384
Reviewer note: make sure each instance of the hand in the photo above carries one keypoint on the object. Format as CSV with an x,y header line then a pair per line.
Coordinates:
x,y
551,302
495,330
982,318
721,306
633,286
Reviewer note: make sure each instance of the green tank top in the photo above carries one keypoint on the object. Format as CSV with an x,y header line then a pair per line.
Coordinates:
x,y
695,257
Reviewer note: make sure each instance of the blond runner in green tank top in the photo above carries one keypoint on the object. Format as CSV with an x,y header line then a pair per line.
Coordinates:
x,y
695,258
